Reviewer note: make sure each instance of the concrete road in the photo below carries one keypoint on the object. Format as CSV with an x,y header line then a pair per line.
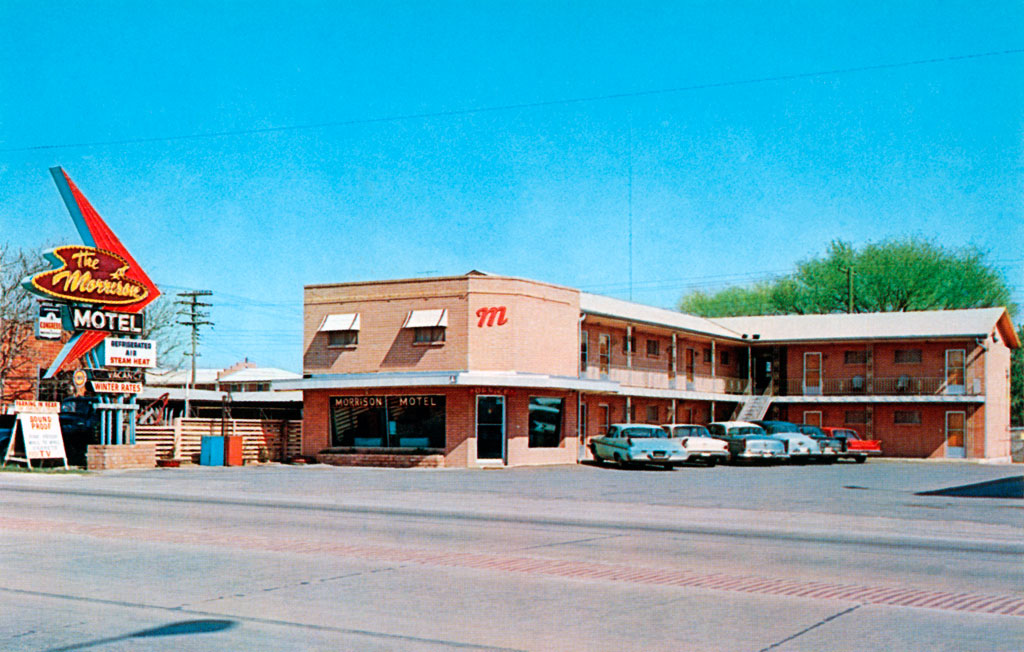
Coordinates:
x,y
844,557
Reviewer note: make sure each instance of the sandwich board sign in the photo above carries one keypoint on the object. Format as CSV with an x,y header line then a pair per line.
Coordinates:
x,y
38,425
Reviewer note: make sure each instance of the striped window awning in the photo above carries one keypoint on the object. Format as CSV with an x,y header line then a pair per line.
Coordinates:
x,y
426,319
346,322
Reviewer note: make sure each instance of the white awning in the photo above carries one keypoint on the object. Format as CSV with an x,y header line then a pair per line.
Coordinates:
x,y
426,319
346,322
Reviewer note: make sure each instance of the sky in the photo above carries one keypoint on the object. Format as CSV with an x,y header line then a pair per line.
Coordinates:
x,y
636,149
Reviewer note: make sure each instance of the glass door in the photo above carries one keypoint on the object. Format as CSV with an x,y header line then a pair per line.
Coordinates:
x,y
956,434
604,353
812,373
955,370
490,428
690,365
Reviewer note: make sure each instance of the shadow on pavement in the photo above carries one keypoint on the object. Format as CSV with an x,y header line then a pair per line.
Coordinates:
x,y
1002,488
202,626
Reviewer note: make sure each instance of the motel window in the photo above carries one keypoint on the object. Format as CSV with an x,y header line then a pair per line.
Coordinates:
x,y
653,350
907,356
582,422
428,326
403,422
856,417
429,335
906,417
724,358
629,413
855,357
545,421
652,414
342,338
707,355
605,414
584,350
629,344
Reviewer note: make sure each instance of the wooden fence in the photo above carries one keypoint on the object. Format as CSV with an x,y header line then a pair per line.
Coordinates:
x,y
183,438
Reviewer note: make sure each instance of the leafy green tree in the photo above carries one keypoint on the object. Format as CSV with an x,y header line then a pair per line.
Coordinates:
x,y
1017,382
896,275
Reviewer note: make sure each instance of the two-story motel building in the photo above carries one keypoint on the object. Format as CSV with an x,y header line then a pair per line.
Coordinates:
x,y
481,370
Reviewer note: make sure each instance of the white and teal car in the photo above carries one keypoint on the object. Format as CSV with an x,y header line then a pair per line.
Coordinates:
x,y
635,443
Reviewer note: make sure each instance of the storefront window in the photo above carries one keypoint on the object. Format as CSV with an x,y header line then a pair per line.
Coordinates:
x,y
409,422
545,421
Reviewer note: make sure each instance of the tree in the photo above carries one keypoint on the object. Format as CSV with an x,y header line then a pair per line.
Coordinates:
x,y
17,308
895,275
161,327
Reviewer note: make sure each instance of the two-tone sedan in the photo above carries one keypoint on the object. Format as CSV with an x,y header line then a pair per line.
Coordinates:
x,y
748,442
698,443
800,448
831,447
635,443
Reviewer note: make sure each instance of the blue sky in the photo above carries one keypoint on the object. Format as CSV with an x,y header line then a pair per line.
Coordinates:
x,y
322,179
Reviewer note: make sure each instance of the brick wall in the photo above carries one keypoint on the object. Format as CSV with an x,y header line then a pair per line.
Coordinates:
x,y
137,456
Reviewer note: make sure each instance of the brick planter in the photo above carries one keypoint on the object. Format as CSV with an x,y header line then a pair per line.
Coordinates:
x,y
393,460
123,456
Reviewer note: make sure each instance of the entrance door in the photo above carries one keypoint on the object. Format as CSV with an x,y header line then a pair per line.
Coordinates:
x,y
812,373
604,353
690,363
956,434
955,370
812,418
490,428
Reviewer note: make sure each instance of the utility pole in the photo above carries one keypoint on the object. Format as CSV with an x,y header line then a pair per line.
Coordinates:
x,y
196,318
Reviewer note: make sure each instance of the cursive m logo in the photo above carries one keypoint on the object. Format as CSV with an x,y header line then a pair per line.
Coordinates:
x,y
488,315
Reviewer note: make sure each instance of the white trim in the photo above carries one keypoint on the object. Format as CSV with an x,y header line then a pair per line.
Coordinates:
x,y
861,398
426,318
340,322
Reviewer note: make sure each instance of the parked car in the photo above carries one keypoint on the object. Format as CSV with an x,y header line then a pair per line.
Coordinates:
x,y
830,446
800,447
700,446
748,441
80,426
853,447
635,443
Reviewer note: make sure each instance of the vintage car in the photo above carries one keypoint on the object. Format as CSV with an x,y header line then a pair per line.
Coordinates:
x,y
748,441
636,443
698,443
830,446
853,447
800,447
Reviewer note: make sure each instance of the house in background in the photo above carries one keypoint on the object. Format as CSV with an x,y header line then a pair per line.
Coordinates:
x,y
243,389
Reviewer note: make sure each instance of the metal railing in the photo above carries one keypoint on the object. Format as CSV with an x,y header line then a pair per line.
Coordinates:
x,y
659,378
909,385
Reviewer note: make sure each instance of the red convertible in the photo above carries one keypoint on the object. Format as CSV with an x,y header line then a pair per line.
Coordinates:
x,y
854,447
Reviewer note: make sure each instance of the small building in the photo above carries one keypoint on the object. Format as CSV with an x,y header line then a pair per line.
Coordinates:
x,y
242,390
480,370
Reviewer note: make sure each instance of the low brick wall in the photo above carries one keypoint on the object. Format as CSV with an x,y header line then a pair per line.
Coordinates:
x,y
123,456
400,461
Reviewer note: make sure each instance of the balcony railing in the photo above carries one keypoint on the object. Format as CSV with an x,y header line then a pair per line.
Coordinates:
x,y
658,378
910,385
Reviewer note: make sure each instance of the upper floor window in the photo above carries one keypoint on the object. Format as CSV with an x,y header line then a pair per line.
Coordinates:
x,y
724,359
907,356
584,350
629,344
342,329
428,326
653,349
855,357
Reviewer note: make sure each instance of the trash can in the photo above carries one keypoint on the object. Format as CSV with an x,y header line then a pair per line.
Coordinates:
x,y
233,445
211,451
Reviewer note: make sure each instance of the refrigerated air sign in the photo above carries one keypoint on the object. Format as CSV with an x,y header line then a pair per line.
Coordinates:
x,y
129,353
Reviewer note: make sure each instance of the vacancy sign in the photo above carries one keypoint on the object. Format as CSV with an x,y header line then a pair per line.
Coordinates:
x,y
129,353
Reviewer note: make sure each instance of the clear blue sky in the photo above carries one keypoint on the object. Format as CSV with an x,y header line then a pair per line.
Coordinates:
x,y
730,182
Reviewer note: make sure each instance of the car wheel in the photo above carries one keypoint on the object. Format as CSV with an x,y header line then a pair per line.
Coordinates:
x,y
710,462
861,459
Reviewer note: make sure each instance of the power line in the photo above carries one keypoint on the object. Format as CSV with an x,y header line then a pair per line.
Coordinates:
x,y
518,106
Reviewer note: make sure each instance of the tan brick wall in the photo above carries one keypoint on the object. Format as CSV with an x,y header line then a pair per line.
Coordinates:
x,y
137,456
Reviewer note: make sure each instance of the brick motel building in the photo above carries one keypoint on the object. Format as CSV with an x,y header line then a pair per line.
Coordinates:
x,y
484,370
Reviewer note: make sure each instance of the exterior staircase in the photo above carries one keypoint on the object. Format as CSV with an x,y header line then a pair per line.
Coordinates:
x,y
754,407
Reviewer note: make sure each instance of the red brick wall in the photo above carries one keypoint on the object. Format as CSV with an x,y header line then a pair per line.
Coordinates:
x,y
136,456
23,377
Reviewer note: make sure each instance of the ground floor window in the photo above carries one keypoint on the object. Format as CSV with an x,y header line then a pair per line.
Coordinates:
x,y
388,421
545,421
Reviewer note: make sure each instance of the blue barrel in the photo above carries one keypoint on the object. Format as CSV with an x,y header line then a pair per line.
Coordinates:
x,y
211,452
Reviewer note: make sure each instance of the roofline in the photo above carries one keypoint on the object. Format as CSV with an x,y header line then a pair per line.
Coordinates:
x,y
664,325
435,279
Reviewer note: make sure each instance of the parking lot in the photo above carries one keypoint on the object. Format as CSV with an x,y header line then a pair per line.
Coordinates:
x,y
844,556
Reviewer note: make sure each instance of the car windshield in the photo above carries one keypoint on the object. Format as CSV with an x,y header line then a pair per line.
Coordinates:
x,y
813,431
773,427
689,431
642,432
849,434
746,431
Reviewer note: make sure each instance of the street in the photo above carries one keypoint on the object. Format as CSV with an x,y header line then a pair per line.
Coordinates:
x,y
842,557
